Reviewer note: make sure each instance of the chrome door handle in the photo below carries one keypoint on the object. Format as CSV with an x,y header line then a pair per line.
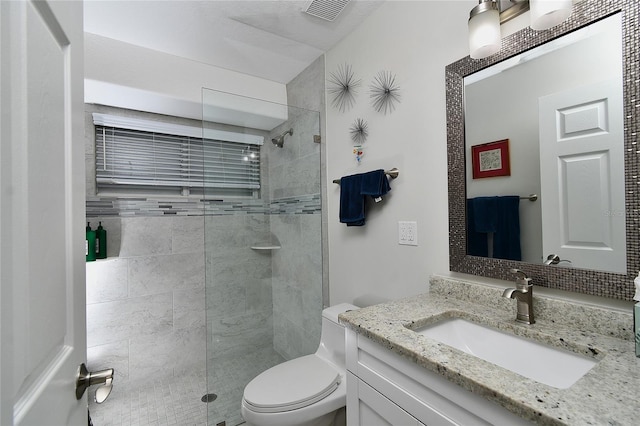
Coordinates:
x,y
86,379
554,259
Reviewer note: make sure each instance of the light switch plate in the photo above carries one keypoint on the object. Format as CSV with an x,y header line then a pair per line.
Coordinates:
x,y
408,233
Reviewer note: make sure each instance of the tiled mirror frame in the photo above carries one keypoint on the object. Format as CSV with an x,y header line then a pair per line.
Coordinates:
x,y
607,284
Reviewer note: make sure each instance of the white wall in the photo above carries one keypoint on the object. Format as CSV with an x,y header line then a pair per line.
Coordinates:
x,y
127,76
415,41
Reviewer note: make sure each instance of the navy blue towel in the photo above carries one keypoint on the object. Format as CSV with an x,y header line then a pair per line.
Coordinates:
x,y
375,183
497,215
506,240
484,213
353,191
351,201
477,243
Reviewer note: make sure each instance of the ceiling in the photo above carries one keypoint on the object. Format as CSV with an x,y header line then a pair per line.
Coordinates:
x,y
274,40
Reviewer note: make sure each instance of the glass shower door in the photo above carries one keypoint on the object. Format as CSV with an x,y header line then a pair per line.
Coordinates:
x,y
263,246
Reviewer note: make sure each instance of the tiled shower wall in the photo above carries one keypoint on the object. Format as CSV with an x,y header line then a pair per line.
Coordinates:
x,y
146,301
297,277
239,295
297,285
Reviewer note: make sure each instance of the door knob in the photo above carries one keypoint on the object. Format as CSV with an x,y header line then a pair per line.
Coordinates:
x,y
87,378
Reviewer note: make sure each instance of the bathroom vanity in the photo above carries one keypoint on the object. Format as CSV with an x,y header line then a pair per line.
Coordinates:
x,y
400,374
385,388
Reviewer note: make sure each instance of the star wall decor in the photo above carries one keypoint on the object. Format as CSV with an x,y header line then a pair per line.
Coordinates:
x,y
343,87
384,92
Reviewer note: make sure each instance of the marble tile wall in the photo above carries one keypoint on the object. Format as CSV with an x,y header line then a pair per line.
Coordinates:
x,y
307,91
297,284
146,301
238,282
297,268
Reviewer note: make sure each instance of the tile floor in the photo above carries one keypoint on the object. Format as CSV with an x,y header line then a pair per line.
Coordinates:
x,y
170,401
177,400
228,378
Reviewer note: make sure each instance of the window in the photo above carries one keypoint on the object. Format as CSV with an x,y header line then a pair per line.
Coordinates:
x,y
146,158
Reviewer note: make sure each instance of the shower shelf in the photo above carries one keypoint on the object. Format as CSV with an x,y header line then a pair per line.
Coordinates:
x,y
265,247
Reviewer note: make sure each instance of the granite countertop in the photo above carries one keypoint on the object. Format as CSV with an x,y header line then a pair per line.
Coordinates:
x,y
607,394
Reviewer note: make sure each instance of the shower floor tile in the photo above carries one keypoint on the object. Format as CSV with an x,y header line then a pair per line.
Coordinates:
x,y
170,401
177,400
228,378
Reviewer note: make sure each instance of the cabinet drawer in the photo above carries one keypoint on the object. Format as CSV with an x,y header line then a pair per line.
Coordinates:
x,y
372,409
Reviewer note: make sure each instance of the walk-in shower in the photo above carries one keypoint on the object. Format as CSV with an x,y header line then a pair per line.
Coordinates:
x,y
263,250
206,287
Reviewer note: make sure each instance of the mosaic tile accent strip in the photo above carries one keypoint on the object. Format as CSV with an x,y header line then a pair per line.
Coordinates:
x,y
125,207
617,286
112,206
304,204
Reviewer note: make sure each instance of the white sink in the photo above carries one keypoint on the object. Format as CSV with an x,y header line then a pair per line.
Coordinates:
x,y
545,364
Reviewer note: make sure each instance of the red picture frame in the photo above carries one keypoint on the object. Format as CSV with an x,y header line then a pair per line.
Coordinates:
x,y
491,159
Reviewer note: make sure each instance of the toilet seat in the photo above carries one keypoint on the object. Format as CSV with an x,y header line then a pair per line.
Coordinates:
x,y
292,385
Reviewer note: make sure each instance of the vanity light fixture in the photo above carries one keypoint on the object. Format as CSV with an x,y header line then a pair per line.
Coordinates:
x,y
548,13
484,30
485,19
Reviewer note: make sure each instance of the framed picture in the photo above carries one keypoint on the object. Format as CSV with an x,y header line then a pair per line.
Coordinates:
x,y
491,159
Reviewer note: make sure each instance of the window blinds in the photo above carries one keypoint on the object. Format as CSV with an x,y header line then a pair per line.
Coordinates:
x,y
128,159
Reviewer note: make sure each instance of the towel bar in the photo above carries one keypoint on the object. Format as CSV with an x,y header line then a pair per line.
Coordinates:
x,y
393,173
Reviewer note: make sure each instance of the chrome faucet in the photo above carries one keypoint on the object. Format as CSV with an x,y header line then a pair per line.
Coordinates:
x,y
523,293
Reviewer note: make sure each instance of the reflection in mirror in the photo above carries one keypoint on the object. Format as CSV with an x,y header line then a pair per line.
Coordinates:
x,y
610,281
561,112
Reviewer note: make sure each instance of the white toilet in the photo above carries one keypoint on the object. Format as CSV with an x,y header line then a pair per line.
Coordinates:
x,y
306,391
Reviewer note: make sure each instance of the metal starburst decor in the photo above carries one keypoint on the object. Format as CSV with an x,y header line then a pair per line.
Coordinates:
x,y
359,131
343,87
384,92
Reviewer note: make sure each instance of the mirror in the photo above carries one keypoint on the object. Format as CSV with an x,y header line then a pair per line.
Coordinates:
x,y
588,160
489,85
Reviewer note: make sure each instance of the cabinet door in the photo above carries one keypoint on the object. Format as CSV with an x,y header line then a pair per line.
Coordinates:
x,y
373,409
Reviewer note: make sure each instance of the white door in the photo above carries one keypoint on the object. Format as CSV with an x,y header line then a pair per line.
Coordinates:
x,y
42,293
582,176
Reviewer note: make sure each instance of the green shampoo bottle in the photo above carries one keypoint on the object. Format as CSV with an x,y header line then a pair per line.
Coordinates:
x,y
101,242
90,244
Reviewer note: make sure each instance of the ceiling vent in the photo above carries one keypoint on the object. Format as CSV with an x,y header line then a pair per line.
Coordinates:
x,y
326,9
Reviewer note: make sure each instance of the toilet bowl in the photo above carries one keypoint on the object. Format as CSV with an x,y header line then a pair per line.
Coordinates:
x,y
305,391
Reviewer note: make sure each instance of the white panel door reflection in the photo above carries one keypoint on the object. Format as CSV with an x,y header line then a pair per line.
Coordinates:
x,y
582,176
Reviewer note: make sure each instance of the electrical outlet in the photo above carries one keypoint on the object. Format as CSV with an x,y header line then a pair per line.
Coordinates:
x,y
408,233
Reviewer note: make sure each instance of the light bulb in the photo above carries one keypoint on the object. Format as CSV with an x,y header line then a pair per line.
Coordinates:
x,y
548,13
484,30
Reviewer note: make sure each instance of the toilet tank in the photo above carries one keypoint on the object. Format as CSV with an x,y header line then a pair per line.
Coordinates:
x,y
332,347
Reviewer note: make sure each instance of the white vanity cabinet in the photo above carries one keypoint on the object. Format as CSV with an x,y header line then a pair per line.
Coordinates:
x,y
383,388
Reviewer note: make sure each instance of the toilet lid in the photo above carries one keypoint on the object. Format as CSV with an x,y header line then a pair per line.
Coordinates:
x,y
291,385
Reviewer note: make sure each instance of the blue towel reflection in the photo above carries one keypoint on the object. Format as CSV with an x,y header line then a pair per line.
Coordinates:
x,y
497,215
